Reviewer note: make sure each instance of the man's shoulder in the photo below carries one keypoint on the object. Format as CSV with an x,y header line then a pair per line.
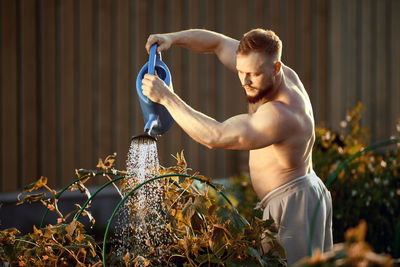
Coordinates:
x,y
289,72
277,113
275,107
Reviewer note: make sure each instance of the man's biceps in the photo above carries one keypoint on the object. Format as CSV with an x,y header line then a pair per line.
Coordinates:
x,y
227,53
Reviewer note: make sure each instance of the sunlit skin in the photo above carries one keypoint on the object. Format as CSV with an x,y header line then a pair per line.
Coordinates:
x,y
278,130
257,74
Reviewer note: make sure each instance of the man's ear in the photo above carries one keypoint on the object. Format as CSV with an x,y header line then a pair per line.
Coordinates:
x,y
277,67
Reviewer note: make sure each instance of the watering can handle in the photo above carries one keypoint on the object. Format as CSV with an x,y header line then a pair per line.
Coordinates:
x,y
152,59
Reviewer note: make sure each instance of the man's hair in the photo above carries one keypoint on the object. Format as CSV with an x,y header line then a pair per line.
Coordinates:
x,y
260,40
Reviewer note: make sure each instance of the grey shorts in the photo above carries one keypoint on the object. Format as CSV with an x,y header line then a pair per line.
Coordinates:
x,y
291,206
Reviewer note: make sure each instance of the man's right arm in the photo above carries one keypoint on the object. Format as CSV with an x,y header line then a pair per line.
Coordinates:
x,y
201,41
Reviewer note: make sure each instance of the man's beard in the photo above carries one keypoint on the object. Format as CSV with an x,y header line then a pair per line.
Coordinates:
x,y
260,94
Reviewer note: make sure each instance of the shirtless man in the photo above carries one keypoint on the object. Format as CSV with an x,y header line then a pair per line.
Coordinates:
x,y
278,130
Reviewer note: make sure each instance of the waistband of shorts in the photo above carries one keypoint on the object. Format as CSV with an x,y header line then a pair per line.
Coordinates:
x,y
293,184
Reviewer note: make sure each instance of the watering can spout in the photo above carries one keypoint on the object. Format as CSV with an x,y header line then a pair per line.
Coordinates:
x,y
156,117
151,123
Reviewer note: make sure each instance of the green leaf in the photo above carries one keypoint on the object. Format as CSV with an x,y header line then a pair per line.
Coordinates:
x,y
238,223
234,264
223,214
254,253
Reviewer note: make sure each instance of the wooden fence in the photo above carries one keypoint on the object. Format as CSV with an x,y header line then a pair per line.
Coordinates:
x,y
68,71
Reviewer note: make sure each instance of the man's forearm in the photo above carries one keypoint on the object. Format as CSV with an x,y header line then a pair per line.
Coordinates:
x,y
200,127
198,40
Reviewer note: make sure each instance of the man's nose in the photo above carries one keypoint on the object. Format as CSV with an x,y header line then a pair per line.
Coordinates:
x,y
247,80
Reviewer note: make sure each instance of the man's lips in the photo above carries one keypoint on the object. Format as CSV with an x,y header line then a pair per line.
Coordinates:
x,y
249,88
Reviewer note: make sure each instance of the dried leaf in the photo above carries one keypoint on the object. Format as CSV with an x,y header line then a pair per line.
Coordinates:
x,y
188,210
181,160
70,228
126,258
36,185
357,234
32,198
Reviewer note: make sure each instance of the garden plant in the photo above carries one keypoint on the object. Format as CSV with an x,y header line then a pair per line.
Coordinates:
x,y
205,227
201,232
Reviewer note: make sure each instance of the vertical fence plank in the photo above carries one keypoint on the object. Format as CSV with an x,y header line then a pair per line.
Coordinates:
x,y
289,50
77,83
259,15
9,96
96,81
105,80
365,46
86,133
39,79
135,66
114,76
394,66
381,88
306,45
123,89
318,64
68,96
358,37
2,126
349,55
49,93
141,36
335,70
321,63
372,94
275,16
30,91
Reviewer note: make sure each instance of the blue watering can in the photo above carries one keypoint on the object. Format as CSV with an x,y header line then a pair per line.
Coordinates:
x,y
156,116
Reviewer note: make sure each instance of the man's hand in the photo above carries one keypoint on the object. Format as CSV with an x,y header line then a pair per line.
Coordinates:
x,y
164,42
155,88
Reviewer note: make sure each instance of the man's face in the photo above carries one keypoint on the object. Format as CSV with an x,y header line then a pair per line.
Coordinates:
x,y
257,75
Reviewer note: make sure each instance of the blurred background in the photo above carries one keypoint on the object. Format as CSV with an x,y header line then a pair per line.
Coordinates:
x,y
68,71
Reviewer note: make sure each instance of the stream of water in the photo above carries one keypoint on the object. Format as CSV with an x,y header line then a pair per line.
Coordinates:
x,y
141,226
